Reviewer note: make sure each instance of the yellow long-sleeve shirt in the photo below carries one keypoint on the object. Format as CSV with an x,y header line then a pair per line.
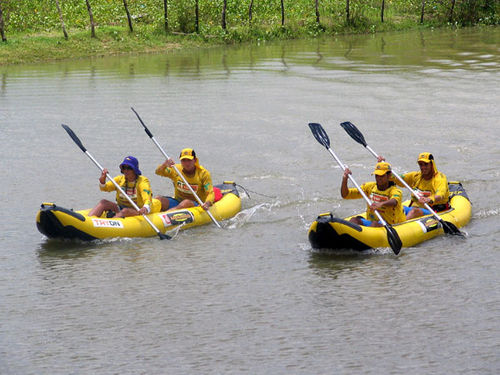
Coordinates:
x,y
200,182
139,191
437,185
391,215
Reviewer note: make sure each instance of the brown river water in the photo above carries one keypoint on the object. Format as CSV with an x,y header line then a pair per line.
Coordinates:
x,y
253,297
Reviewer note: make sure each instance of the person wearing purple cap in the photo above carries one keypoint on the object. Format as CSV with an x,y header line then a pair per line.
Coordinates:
x,y
135,185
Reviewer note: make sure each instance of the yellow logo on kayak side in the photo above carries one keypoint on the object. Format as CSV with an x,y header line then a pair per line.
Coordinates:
x,y
176,218
429,224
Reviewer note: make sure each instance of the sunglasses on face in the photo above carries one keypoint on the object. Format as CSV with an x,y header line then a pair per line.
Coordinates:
x,y
126,168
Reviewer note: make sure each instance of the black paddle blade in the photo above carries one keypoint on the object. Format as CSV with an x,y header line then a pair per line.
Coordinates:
x,y
450,228
143,124
164,236
353,131
74,137
393,239
320,134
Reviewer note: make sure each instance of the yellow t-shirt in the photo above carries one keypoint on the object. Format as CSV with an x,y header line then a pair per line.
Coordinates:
x,y
391,215
139,191
437,185
200,182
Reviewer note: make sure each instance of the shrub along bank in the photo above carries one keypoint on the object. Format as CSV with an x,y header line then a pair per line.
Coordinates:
x,y
39,30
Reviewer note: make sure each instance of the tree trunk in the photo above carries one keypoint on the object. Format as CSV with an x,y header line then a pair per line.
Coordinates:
x,y
2,31
317,11
128,16
450,19
282,12
250,12
224,7
197,17
92,24
62,20
422,13
382,11
348,19
165,8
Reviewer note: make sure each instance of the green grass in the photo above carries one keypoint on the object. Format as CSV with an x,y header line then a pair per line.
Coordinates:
x,y
111,40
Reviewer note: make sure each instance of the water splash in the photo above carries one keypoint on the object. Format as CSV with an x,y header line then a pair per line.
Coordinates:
x,y
486,213
244,216
175,231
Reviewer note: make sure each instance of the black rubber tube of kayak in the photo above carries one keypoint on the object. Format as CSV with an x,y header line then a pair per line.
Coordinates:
x,y
353,131
392,236
80,144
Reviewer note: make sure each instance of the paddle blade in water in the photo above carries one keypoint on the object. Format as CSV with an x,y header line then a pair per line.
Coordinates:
x,y
393,239
353,131
450,228
164,236
320,134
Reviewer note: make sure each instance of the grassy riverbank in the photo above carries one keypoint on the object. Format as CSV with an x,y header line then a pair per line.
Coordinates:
x,y
113,40
35,35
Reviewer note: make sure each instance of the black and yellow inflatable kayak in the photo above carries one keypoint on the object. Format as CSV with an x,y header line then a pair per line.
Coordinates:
x,y
58,222
329,232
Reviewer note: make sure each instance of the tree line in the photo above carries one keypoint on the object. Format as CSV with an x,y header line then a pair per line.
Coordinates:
x,y
185,16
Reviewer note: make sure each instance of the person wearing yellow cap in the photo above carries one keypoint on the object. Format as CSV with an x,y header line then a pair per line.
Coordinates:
x,y
386,197
196,175
135,185
431,186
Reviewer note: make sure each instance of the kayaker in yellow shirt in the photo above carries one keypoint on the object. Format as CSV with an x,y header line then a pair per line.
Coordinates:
x,y
135,185
386,197
430,184
196,175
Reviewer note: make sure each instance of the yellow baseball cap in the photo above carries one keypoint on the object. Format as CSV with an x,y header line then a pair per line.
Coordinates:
x,y
382,168
426,157
187,153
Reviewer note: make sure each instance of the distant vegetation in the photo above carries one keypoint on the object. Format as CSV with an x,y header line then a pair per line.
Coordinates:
x,y
226,21
40,15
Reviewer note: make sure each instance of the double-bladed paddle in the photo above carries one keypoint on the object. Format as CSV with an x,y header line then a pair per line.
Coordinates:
x,y
177,170
392,236
353,131
80,144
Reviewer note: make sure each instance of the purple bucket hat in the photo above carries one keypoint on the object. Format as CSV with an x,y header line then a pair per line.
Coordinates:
x,y
132,163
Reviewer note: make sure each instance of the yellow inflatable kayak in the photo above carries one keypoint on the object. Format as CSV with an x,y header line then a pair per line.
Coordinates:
x,y
58,222
328,232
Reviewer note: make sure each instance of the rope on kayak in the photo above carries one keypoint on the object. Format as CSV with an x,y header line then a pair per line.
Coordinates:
x,y
254,192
